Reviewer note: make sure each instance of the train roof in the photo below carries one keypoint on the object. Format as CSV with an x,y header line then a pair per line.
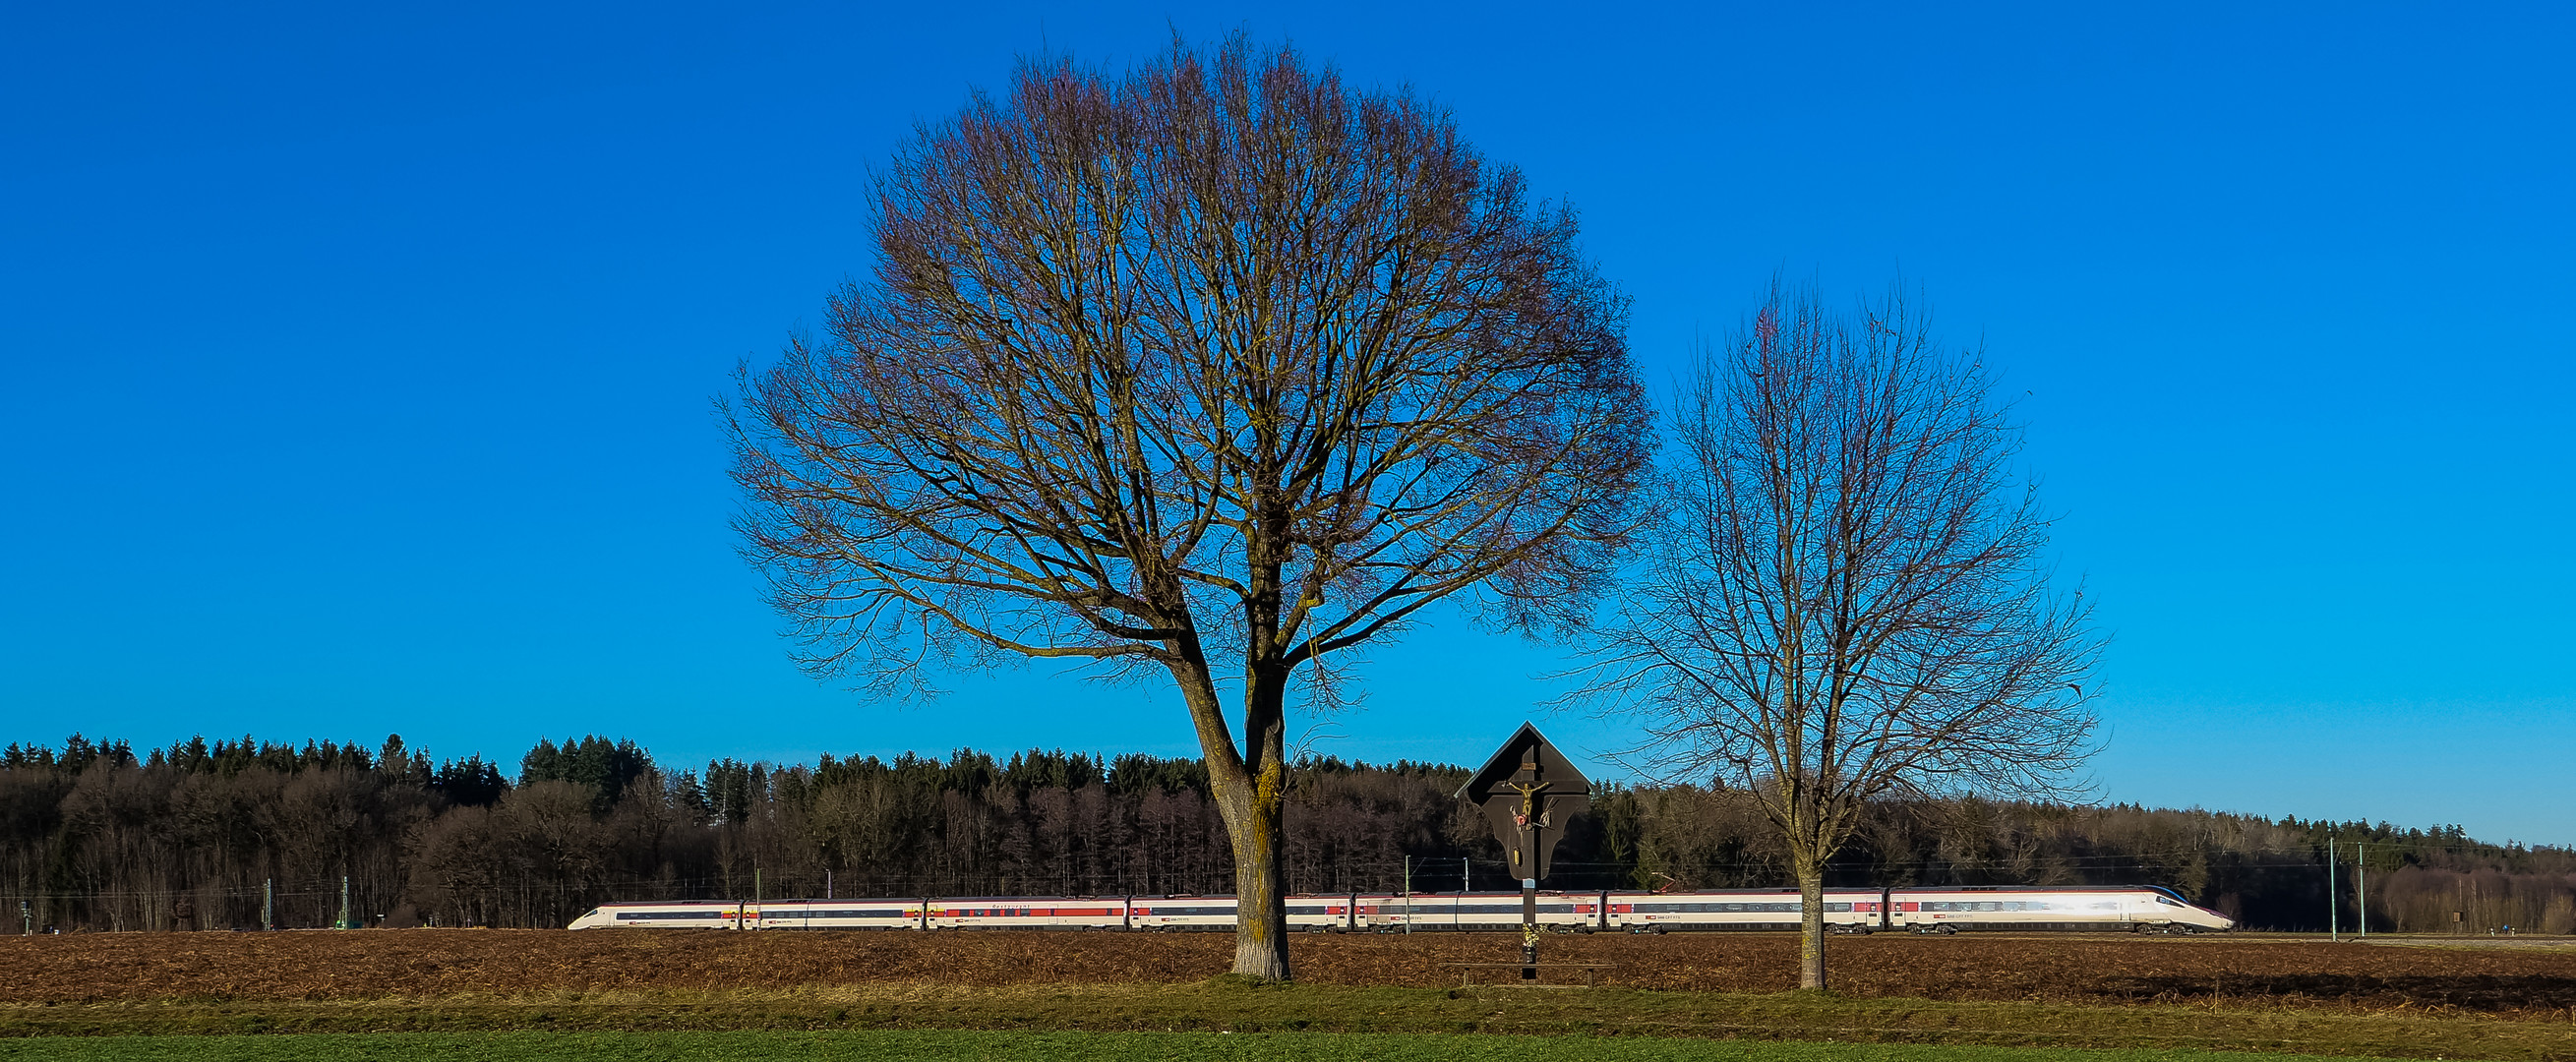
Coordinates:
x,y
764,903
1025,899
2031,888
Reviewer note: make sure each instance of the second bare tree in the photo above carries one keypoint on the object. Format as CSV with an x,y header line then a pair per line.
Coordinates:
x,y
1846,596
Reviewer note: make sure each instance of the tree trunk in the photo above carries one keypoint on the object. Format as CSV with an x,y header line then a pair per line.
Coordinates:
x,y
1251,797
1811,923
1260,893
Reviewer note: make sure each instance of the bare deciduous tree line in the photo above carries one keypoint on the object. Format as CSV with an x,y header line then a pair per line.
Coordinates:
x,y
95,837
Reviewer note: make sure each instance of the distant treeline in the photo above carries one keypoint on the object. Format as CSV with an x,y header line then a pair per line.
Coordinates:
x,y
238,834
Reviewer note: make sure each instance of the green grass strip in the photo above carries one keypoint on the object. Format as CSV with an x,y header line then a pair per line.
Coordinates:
x,y
1713,1021
981,1046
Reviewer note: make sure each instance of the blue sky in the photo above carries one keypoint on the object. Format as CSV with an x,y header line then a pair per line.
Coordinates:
x,y
356,361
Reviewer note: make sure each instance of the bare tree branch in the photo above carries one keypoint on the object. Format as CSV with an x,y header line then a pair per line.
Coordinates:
x,y
1845,596
1217,364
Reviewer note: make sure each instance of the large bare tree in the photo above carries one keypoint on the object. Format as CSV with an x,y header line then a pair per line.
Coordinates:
x,y
1211,369
1846,595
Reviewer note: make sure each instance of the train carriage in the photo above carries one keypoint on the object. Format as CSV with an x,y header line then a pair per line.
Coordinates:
x,y
1181,913
1738,910
1457,912
840,914
686,915
1324,914
2074,908
1029,912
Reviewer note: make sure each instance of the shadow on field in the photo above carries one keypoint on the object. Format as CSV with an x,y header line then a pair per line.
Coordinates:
x,y
2471,992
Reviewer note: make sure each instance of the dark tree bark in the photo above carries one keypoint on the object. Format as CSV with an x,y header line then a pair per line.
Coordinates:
x,y
1211,370
1846,597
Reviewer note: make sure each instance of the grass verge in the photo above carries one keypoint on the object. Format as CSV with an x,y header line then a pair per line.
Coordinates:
x,y
977,1046
1235,1009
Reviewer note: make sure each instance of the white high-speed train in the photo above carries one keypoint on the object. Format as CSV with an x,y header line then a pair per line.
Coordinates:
x,y
2106,908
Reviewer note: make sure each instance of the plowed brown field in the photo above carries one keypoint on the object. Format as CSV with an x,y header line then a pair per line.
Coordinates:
x,y
2533,982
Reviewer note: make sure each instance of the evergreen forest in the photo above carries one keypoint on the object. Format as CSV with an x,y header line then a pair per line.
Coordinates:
x,y
95,836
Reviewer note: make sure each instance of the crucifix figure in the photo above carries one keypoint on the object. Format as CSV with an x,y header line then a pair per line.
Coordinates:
x,y
1531,812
